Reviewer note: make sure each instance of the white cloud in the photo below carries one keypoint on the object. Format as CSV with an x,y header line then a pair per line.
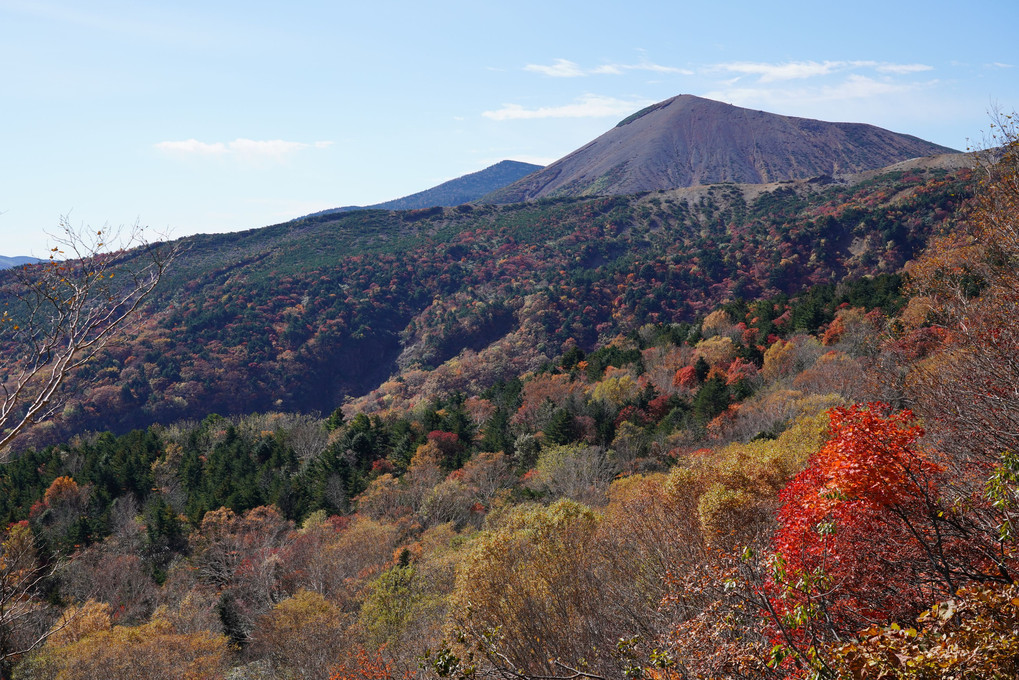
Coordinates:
x,y
798,70
589,106
792,70
562,68
862,87
273,149
655,68
854,87
902,69
193,146
620,69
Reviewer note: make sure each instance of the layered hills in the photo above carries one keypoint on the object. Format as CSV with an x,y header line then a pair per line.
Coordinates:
x,y
688,140
8,262
463,189
304,315
396,307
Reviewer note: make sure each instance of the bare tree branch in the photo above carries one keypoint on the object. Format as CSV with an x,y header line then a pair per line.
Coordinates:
x,y
60,313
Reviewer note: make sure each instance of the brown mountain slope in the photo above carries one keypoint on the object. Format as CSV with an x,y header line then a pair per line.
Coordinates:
x,y
687,141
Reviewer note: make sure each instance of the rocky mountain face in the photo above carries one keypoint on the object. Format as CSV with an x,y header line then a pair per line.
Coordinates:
x,y
689,141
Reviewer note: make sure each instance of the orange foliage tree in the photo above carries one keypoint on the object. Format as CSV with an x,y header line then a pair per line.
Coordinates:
x,y
969,280
367,666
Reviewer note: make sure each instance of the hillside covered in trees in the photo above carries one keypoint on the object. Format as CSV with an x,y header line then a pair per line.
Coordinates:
x,y
722,432
300,316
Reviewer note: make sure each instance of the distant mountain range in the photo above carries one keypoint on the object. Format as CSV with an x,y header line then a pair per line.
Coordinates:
x,y
457,191
688,141
8,262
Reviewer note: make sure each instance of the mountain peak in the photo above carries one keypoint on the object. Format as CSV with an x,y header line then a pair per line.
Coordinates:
x,y
688,140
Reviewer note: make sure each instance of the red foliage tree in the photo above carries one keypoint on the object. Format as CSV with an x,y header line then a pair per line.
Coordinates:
x,y
865,536
685,377
368,665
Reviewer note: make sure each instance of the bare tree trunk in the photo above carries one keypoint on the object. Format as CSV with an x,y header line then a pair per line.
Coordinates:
x,y
59,314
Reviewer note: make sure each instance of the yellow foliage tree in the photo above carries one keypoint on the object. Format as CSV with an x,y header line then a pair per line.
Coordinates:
x,y
528,580
78,622
745,478
303,636
716,323
154,650
717,351
616,388
24,617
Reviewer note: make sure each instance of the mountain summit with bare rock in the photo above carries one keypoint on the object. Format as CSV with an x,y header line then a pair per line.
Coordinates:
x,y
689,141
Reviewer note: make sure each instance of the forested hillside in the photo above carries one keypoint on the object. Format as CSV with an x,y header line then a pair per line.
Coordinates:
x,y
300,316
723,432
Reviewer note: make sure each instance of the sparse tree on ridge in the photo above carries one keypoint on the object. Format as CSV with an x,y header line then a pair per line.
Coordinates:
x,y
58,314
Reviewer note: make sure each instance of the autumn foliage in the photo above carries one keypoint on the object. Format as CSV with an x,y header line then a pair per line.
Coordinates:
x,y
620,442
851,527
867,535
368,665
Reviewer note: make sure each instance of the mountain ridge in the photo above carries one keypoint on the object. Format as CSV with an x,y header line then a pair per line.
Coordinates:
x,y
463,189
307,314
7,262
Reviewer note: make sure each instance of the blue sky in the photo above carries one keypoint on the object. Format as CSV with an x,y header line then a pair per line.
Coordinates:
x,y
221,116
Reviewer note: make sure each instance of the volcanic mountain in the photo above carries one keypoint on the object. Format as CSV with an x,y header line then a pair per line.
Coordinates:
x,y
689,141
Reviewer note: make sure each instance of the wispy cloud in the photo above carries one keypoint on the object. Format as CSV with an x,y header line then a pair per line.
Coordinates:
x,y
564,68
862,87
788,71
272,149
798,70
902,69
193,146
588,106
855,87
619,69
